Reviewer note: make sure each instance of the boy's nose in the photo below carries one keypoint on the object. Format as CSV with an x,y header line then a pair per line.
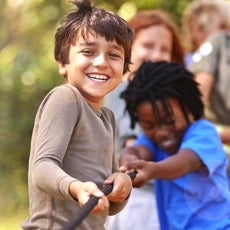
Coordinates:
x,y
162,133
100,60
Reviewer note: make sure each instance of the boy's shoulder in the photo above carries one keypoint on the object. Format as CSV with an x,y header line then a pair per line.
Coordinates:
x,y
203,122
65,88
202,128
62,93
65,91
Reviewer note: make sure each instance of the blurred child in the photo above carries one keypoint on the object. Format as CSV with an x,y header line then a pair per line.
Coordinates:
x,y
178,148
207,23
202,18
157,39
73,142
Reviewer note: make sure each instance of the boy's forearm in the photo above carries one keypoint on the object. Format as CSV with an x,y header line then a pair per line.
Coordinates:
x,y
57,184
176,166
134,153
128,154
164,170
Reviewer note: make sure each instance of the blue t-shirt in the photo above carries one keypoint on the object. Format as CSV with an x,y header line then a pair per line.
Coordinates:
x,y
201,199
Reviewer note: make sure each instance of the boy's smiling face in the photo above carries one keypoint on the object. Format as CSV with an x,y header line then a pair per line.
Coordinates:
x,y
95,67
169,134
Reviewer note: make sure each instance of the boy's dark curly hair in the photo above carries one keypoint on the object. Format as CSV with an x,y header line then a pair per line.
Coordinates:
x,y
160,81
87,19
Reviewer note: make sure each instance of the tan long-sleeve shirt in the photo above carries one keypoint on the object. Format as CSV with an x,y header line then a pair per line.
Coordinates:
x,y
70,141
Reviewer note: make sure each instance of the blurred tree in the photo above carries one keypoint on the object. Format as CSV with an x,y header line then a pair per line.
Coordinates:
x,y
28,71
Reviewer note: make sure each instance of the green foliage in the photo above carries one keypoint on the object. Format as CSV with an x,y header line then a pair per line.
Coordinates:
x,y
27,72
13,222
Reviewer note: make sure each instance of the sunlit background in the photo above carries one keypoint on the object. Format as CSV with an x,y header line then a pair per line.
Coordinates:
x,y
27,72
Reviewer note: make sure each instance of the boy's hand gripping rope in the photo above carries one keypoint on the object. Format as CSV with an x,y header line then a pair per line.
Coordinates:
x,y
85,210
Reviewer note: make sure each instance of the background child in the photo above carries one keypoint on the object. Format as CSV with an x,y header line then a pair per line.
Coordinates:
x,y
178,148
202,18
208,21
156,39
73,142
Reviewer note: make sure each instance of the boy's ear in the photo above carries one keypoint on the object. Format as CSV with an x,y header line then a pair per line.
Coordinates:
x,y
62,69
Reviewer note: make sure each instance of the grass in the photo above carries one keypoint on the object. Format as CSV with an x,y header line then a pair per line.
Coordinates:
x,y
13,222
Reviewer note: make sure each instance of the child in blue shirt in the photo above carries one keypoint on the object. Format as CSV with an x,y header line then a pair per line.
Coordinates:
x,y
178,148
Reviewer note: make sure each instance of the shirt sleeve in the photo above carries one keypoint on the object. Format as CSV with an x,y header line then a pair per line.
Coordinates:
x,y
203,139
56,119
206,58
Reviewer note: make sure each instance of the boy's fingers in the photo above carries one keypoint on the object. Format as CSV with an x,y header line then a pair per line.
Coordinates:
x,y
129,166
84,198
94,191
123,168
90,189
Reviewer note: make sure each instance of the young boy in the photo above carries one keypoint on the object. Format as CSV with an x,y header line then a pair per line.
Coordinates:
x,y
178,148
73,142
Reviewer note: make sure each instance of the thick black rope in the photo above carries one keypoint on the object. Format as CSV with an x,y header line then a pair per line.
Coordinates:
x,y
85,210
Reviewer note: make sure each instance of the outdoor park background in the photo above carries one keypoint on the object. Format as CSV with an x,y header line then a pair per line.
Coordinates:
x,y
27,72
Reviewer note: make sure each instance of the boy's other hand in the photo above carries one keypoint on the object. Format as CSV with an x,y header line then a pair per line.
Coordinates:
x,y
142,168
82,191
122,186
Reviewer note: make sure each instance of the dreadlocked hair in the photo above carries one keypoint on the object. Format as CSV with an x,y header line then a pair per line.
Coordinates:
x,y
160,81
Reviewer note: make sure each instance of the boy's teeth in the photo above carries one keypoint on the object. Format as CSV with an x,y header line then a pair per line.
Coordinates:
x,y
100,77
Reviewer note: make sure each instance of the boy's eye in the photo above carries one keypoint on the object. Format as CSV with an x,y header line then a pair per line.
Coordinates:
x,y
115,55
148,45
88,52
165,50
146,126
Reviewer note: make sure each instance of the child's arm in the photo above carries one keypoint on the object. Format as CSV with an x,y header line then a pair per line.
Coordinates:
x,y
177,165
134,153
